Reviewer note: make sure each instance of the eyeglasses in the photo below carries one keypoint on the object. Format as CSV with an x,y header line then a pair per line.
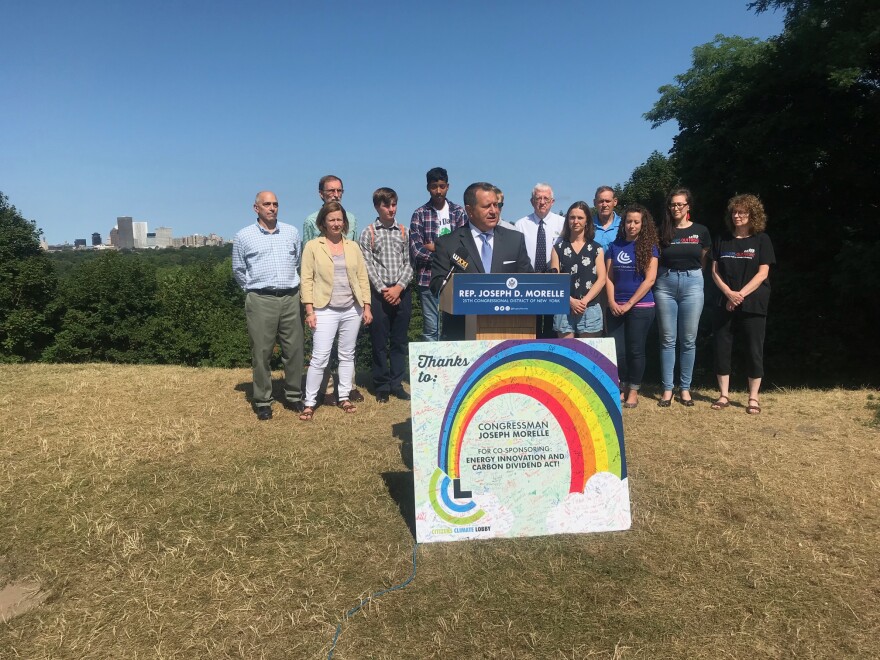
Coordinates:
x,y
677,205
333,191
742,214
543,199
500,205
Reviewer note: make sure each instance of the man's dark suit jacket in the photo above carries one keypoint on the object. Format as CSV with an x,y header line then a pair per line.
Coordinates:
x,y
509,255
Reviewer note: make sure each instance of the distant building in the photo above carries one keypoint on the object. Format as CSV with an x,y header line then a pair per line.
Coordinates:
x,y
139,230
79,244
114,237
151,240
125,237
96,239
163,237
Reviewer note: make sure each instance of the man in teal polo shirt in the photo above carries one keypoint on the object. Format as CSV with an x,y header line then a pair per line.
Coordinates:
x,y
607,221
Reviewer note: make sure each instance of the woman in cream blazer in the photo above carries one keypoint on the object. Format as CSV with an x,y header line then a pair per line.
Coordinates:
x,y
335,291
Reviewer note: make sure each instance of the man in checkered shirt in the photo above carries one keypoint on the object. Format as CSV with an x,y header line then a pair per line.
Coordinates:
x,y
436,218
385,247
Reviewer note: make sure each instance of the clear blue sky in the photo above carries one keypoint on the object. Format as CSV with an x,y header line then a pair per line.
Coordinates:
x,y
178,112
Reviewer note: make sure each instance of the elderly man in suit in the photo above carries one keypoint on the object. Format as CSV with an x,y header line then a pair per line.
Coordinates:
x,y
489,247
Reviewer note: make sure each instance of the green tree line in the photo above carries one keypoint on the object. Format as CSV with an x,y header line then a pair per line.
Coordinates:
x,y
141,307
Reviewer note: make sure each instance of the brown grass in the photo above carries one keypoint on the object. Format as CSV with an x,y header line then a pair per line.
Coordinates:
x,y
164,521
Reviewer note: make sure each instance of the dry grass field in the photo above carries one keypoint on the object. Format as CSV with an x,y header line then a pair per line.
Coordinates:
x,y
155,517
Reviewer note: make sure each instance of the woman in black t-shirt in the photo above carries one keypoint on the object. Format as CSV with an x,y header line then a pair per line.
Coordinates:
x,y
678,293
741,268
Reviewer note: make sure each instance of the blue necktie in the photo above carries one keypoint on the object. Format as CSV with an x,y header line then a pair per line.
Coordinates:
x,y
541,249
486,252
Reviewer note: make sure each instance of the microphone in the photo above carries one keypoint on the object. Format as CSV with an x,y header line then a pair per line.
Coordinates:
x,y
458,262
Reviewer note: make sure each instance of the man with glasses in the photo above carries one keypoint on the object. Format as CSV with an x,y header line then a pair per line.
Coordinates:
x,y
541,230
330,190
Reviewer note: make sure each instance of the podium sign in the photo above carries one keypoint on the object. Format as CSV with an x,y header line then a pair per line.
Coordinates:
x,y
499,293
517,438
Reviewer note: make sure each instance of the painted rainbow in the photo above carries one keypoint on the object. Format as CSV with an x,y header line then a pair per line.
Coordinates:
x,y
571,379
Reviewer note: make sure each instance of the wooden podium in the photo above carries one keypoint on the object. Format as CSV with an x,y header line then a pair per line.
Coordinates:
x,y
496,324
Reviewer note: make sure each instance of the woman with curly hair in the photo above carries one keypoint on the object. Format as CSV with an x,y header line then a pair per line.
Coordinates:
x,y
631,266
741,268
577,253
678,293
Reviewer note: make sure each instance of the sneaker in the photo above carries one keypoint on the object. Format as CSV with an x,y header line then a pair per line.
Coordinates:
x,y
382,397
355,395
295,406
264,413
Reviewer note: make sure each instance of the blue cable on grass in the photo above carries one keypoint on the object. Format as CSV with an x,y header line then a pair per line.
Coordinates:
x,y
366,600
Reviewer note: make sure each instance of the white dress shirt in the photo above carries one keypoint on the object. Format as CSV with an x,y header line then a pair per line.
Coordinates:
x,y
528,225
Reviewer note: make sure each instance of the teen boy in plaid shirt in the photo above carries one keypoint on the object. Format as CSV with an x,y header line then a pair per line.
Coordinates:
x,y
436,218
385,247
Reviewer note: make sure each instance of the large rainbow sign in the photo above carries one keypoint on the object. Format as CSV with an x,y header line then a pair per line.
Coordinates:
x,y
573,381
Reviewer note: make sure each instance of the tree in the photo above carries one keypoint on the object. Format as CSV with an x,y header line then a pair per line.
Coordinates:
x,y
200,318
649,184
107,305
27,287
796,120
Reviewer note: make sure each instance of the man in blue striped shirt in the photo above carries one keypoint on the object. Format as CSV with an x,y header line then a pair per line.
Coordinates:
x,y
265,262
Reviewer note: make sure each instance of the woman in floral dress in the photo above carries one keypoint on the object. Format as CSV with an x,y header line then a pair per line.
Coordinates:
x,y
577,253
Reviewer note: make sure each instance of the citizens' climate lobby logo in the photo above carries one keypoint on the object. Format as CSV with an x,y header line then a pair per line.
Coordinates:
x,y
512,283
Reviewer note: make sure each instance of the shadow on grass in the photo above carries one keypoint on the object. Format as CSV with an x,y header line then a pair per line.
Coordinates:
x,y
400,484
400,488
247,387
403,432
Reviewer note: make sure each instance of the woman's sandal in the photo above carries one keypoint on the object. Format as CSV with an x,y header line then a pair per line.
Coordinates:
x,y
347,406
753,409
719,404
307,414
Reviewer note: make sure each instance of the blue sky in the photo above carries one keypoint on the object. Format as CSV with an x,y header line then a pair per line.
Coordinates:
x,y
177,113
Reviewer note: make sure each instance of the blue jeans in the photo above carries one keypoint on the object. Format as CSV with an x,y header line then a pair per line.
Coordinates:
x,y
430,314
678,295
590,322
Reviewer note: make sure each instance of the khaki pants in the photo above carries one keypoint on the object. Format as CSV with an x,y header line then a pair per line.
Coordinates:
x,y
270,318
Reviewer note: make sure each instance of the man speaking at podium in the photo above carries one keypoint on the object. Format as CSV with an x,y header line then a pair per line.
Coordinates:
x,y
480,246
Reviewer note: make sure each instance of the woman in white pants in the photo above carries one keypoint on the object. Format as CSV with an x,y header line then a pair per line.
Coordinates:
x,y
335,291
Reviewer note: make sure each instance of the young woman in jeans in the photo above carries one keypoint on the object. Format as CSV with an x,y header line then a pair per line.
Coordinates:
x,y
678,293
631,266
